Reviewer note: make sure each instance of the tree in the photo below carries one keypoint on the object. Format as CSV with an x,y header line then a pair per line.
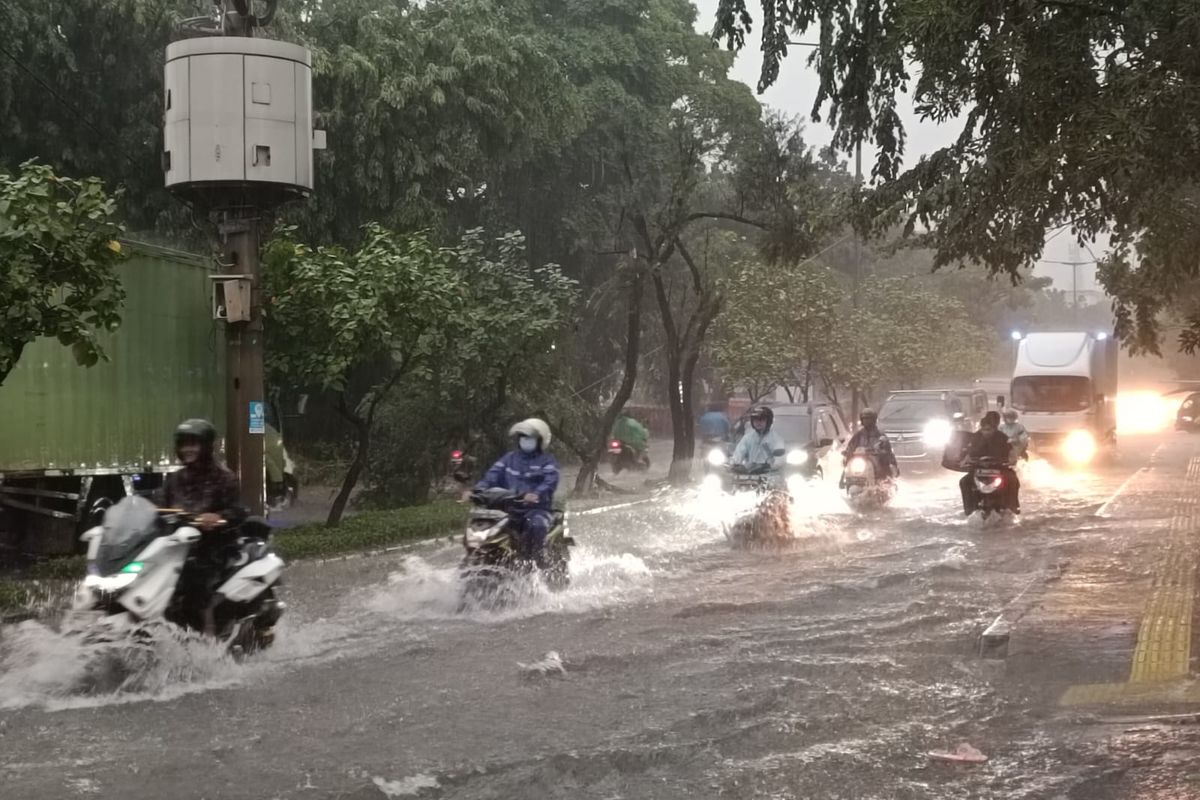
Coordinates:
x,y
58,247
357,323
789,347
450,323
81,90
1073,114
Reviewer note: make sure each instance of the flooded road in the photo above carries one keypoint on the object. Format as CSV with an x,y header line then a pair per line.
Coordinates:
x,y
673,667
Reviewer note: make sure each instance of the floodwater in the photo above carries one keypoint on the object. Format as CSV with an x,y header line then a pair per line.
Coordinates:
x,y
673,667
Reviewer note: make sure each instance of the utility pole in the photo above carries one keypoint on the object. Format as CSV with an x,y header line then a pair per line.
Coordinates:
x,y
855,399
238,142
245,442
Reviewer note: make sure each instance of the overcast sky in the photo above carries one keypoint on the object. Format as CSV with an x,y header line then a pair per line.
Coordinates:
x,y
795,91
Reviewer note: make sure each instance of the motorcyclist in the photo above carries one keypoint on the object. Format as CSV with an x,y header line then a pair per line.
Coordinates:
x,y
531,472
714,425
1018,437
759,443
874,441
209,490
632,434
989,443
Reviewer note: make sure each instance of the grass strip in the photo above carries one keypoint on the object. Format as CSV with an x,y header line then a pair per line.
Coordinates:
x,y
369,530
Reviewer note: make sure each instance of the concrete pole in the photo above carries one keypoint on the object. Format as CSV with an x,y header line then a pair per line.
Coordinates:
x,y
244,439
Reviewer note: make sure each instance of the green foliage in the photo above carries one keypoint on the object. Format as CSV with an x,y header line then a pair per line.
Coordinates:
x,y
776,327
58,246
82,92
370,529
1072,113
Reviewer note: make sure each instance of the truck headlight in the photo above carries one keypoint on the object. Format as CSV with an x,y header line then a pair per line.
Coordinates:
x,y
1079,447
716,457
796,458
937,433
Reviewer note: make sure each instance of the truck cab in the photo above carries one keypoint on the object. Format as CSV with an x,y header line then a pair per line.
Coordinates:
x,y
1065,386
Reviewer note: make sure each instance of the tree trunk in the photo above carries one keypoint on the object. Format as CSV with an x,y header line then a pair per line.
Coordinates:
x,y
357,467
633,344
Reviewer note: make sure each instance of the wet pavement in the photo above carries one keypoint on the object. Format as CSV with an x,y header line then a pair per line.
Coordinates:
x,y
675,667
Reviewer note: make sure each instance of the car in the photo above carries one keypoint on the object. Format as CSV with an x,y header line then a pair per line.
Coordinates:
x,y
815,426
919,422
1188,416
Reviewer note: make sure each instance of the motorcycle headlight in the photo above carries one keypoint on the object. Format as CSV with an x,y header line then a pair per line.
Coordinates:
x,y
1079,446
711,483
110,583
1186,419
716,457
858,465
796,458
937,433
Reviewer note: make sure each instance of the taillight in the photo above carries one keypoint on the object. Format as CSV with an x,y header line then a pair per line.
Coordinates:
x,y
456,454
614,445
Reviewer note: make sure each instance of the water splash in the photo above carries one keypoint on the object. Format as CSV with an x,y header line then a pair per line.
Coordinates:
x,y
421,590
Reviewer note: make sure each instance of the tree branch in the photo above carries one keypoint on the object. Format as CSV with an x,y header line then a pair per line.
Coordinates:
x,y
731,217
697,280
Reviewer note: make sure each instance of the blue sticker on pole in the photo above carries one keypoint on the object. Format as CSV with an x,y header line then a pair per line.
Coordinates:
x,y
258,417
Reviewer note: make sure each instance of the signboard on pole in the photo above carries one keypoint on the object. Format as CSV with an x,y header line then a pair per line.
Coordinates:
x,y
258,417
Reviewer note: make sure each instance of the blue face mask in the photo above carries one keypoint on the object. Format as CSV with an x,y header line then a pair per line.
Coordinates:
x,y
528,444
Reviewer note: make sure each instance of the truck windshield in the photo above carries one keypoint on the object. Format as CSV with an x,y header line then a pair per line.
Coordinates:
x,y
1051,393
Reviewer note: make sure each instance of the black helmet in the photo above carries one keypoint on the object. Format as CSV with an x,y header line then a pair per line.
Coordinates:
x,y
199,429
765,414
991,419
868,416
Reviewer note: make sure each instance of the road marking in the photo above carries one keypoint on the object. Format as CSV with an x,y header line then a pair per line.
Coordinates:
x,y
1104,509
618,506
1162,656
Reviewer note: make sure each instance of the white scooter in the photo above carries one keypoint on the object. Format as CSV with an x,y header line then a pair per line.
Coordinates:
x,y
137,571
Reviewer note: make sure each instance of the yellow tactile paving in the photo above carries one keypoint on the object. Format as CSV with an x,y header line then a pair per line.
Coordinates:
x,y
1162,656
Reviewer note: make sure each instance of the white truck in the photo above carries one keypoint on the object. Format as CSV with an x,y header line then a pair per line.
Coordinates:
x,y
1065,386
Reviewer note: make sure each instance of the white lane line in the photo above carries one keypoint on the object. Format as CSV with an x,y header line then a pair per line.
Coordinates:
x,y
606,509
1103,510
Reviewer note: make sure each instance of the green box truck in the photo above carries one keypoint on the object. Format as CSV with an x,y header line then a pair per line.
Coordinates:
x,y
70,435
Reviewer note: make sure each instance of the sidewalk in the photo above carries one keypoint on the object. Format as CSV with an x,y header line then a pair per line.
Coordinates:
x,y
1117,628
660,463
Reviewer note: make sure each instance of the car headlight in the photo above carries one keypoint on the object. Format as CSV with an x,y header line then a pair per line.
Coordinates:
x,y
796,458
937,433
1079,447
716,457
858,465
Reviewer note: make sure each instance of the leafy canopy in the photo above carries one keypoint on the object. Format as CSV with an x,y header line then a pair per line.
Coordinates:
x,y
58,247
1072,113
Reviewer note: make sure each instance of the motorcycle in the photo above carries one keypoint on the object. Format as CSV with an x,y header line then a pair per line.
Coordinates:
x,y
767,521
492,552
862,484
993,494
621,456
139,567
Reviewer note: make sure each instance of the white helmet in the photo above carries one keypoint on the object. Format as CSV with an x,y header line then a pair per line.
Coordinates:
x,y
1010,414
532,427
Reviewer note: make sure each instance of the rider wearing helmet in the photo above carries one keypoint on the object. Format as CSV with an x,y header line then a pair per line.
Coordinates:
x,y
989,443
204,486
873,440
208,489
759,443
1018,437
528,470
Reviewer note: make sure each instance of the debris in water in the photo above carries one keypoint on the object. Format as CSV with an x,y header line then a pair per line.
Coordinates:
x,y
551,664
405,786
964,753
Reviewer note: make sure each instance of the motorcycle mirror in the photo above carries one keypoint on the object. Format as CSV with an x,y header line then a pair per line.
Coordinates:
x,y
1000,400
